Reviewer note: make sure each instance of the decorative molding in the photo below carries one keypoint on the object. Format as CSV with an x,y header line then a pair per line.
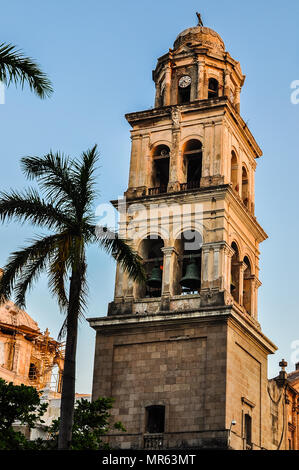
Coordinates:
x,y
247,402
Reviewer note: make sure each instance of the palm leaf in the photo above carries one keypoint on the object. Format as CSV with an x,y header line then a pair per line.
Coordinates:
x,y
24,265
84,179
18,69
55,176
29,207
121,251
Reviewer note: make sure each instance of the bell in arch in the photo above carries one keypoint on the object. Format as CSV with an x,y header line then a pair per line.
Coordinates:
x,y
191,280
155,279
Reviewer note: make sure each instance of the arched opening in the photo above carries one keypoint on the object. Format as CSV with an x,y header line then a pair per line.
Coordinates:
x,y
187,271
213,88
247,286
245,187
152,255
235,273
192,161
160,170
234,172
184,89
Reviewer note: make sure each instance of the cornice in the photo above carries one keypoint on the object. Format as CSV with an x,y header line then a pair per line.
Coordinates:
x,y
225,314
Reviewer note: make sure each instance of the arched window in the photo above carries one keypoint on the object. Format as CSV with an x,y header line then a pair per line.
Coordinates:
x,y
235,270
234,172
213,88
245,187
192,161
152,255
160,170
187,275
247,286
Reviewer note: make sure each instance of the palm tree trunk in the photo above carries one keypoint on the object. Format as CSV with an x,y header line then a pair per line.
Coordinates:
x,y
69,372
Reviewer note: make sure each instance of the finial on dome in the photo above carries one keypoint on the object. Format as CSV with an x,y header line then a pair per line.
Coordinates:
x,y
200,23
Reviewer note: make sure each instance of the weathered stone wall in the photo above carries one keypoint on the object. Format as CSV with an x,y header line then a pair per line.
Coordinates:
x,y
180,366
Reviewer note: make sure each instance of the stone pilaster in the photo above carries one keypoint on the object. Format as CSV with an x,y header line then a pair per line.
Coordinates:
x,y
170,255
167,85
175,156
200,79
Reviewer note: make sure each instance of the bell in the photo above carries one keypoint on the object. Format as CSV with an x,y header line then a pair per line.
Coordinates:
x,y
155,279
191,280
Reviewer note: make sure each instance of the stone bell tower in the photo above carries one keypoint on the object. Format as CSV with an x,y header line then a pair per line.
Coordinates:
x,y
184,356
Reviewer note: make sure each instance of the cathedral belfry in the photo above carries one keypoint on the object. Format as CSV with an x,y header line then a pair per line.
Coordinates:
x,y
184,355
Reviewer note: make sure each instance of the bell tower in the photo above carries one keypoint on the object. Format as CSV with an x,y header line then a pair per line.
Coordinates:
x,y
184,355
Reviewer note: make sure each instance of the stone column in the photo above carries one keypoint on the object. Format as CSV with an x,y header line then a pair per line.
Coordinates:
x,y
207,153
216,265
217,157
242,268
168,271
256,284
205,258
175,157
237,99
135,152
158,95
118,289
228,253
200,79
143,170
226,83
167,100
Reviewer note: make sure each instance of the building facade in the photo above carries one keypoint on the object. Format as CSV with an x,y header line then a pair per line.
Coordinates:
x,y
28,356
184,355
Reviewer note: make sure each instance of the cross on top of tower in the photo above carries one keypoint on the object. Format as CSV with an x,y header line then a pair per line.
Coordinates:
x,y
200,22
283,364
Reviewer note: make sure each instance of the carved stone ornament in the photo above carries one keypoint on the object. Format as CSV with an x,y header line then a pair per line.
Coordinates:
x,y
176,117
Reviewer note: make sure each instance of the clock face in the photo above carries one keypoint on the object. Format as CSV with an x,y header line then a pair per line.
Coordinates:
x,y
184,81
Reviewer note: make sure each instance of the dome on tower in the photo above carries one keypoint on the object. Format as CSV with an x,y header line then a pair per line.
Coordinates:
x,y
200,36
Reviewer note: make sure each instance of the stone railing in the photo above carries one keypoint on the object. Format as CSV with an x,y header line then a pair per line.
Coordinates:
x,y
153,441
157,190
190,185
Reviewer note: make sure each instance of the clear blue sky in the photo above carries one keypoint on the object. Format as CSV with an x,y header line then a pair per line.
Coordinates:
x,y
99,56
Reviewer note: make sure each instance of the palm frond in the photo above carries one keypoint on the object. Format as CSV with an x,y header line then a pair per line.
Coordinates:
x,y
26,261
121,251
18,69
84,179
55,175
58,271
29,207
30,272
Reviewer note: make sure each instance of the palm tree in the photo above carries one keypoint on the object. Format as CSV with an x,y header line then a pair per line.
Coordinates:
x,y
17,68
65,207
